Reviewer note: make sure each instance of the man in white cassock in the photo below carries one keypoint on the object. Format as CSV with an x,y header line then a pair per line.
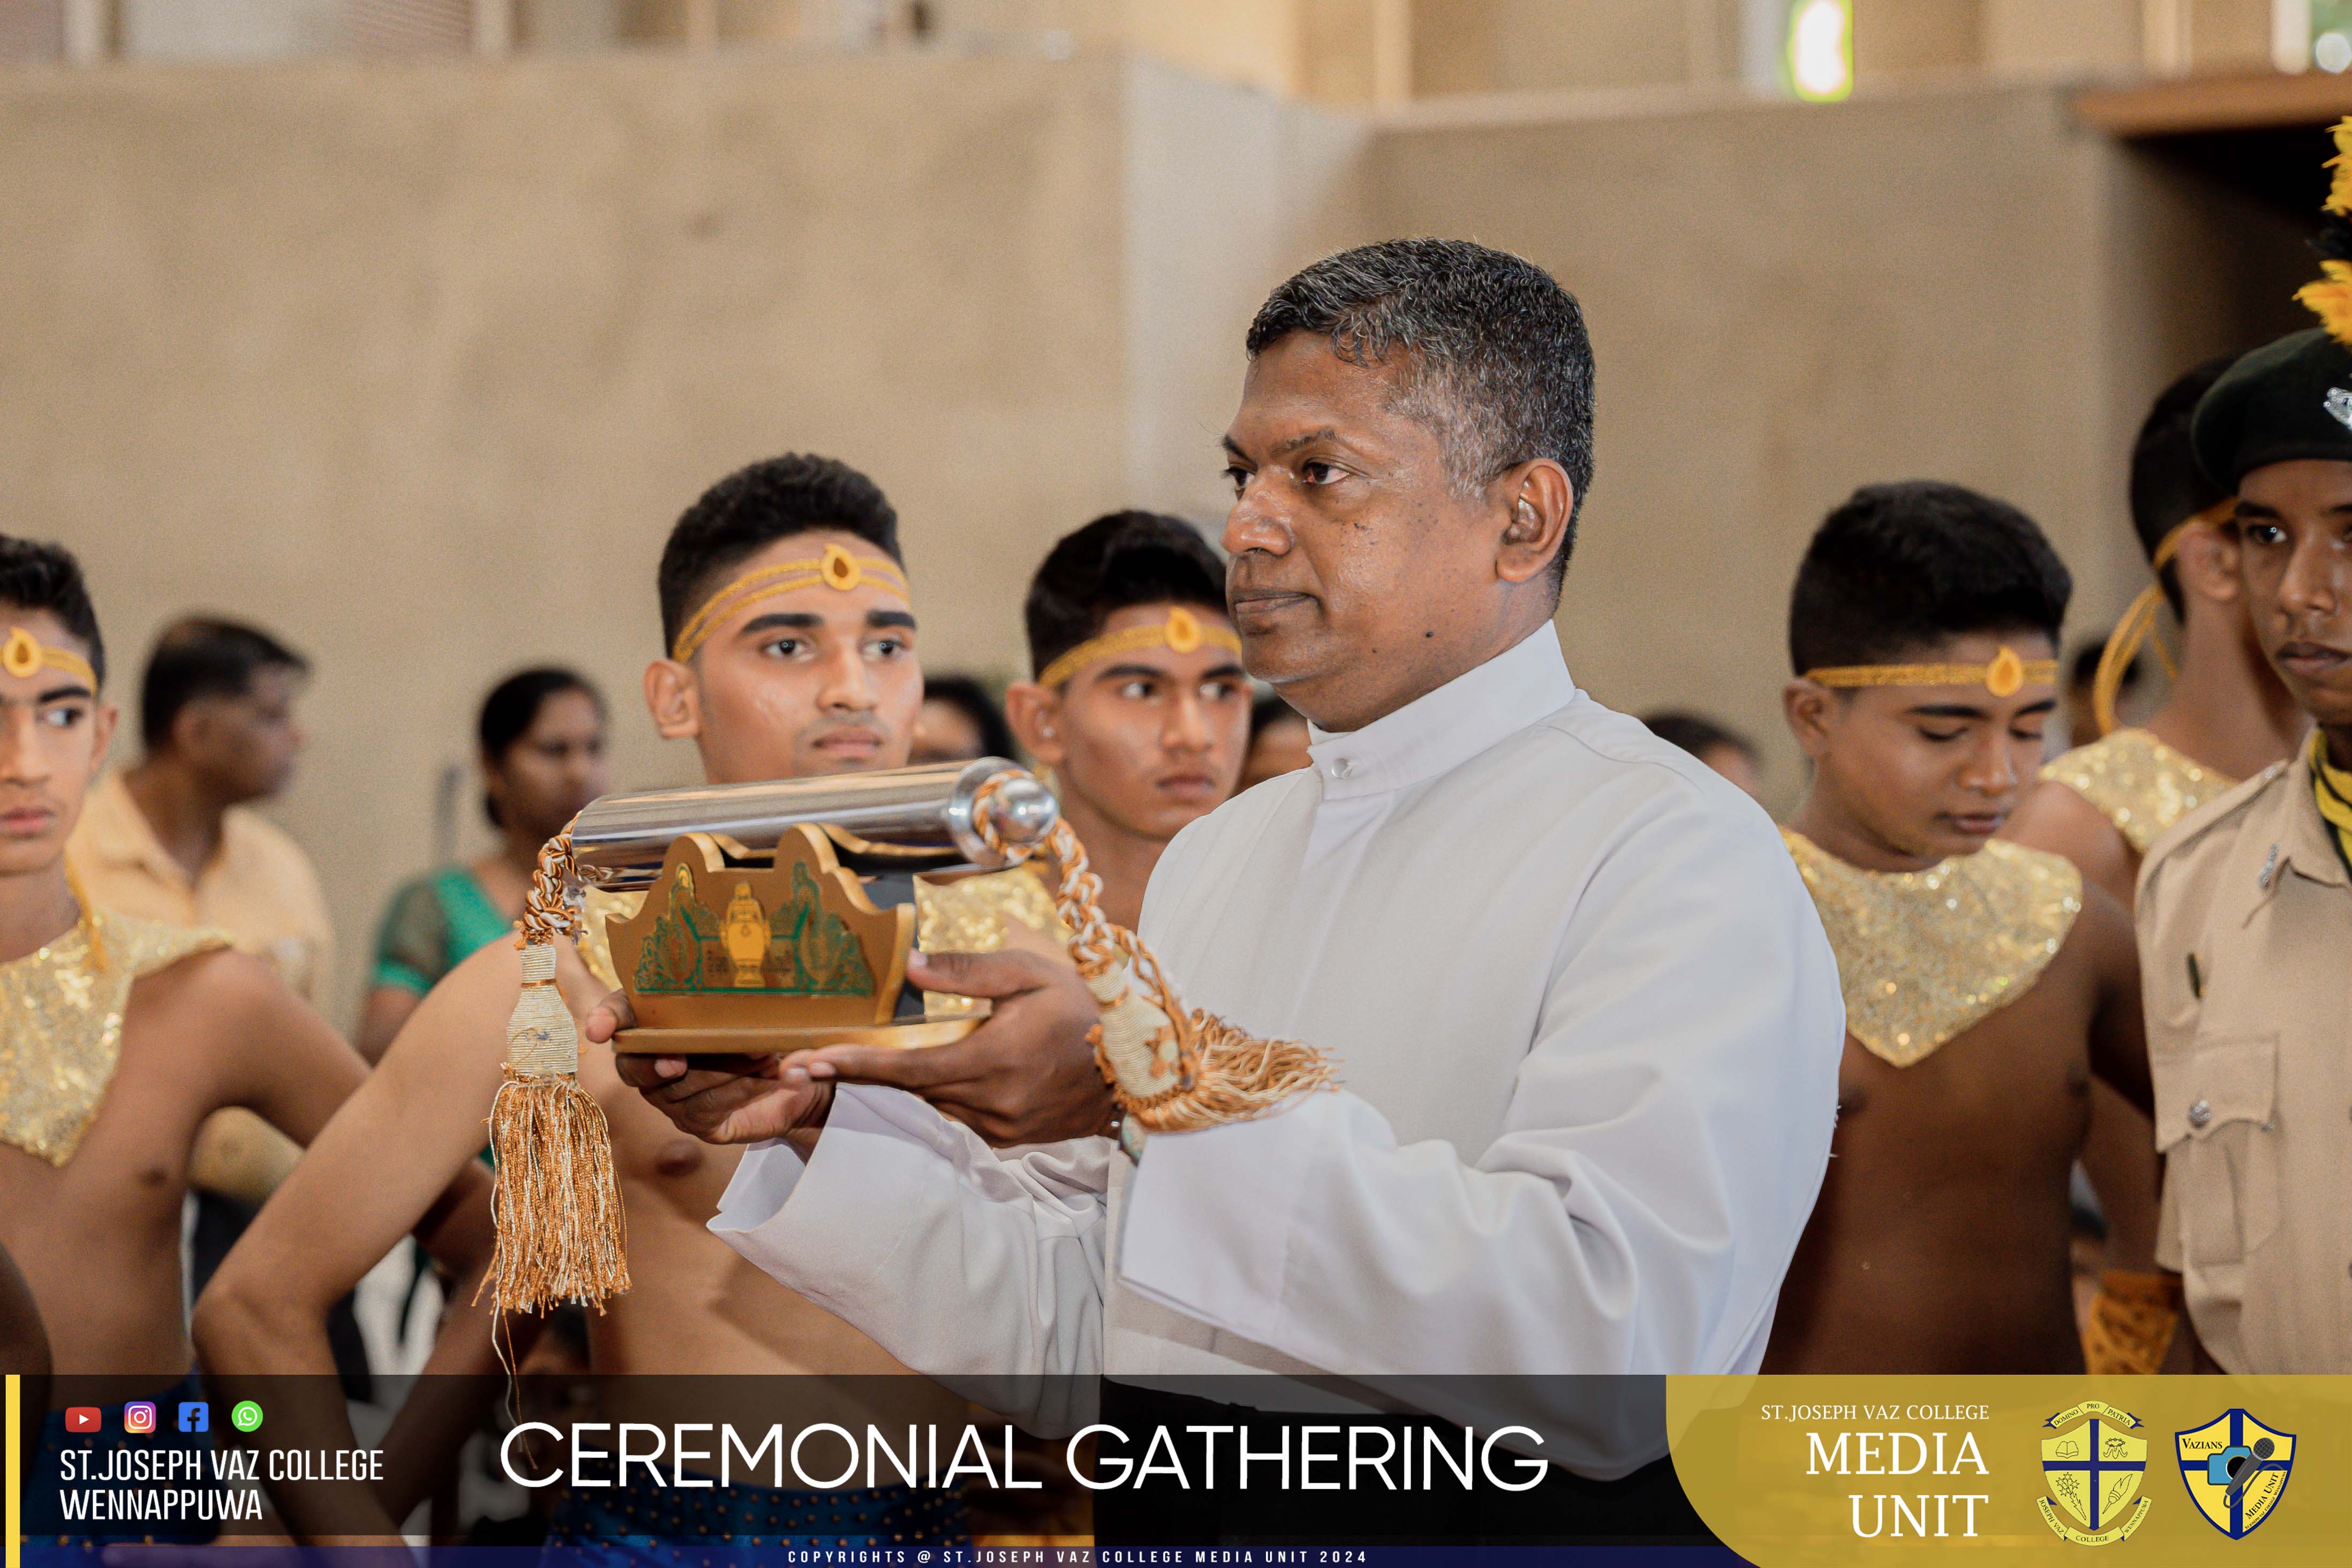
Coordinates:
x,y
1586,1021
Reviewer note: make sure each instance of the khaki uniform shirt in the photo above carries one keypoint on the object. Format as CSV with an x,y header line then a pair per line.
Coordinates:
x,y
259,887
2251,1054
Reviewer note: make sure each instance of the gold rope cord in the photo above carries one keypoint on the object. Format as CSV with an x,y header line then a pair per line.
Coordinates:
x,y
93,933
561,1233
1170,1071
2136,626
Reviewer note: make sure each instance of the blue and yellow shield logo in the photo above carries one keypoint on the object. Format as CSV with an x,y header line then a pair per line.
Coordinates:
x,y
2092,1465
2235,1469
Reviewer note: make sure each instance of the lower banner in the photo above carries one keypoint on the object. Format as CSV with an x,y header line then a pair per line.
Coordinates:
x,y
687,1472
698,1472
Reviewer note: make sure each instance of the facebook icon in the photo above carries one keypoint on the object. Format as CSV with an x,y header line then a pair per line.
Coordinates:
x,y
195,1417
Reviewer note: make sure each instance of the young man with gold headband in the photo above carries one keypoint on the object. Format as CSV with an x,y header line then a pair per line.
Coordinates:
x,y
1138,716
2245,908
1586,1022
2101,804
118,1036
1985,983
1139,711
791,638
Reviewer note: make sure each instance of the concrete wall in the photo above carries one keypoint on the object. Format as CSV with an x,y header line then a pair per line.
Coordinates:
x,y
417,364
1227,192
1787,303
2074,35
1476,46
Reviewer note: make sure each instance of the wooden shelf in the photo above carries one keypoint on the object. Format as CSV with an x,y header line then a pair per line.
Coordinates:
x,y
2195,105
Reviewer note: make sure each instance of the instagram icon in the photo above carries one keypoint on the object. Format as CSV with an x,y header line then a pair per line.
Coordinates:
x,y
139,1415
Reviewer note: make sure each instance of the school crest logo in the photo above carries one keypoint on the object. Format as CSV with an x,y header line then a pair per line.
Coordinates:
x,y
2235,1470
2093,1463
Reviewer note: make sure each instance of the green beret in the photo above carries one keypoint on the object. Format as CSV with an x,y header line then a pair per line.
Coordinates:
x,y
2289,399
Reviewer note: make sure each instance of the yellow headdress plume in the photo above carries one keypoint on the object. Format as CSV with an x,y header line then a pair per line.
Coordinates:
x,y
2330,299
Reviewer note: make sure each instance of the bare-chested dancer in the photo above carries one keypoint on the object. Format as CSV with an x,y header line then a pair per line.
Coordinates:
x,y
796,677
1984,982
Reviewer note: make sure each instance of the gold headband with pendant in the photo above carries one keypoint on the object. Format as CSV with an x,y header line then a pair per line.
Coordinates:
x,y
1181,632
836,569
23,654
2002,676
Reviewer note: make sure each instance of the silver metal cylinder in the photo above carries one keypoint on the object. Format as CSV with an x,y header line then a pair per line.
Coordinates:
x,y
914,818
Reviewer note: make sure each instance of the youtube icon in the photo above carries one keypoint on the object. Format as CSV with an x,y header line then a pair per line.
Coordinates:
x,y
84,1419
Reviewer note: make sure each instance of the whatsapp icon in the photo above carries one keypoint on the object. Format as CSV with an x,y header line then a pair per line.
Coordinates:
x,y
246,1415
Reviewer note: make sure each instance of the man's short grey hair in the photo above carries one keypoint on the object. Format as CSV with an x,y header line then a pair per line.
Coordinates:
x,y
1496,359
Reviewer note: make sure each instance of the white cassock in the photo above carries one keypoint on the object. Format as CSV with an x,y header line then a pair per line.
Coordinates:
x,y
1589,1029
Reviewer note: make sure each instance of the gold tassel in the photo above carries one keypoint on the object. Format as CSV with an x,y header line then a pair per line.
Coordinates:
x,y
562,1234
1173,1071
1169,1071
1240,1078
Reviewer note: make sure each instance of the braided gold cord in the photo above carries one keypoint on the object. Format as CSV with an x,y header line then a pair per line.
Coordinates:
x,y
93,938
1224,1074
1094,943
2136,626
547,909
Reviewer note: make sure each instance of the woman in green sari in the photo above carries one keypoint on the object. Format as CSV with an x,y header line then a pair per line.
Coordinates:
x,y
542,755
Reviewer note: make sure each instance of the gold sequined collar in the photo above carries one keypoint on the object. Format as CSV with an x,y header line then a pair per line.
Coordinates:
x,y
973,914
1923,955
2137,782
61,1025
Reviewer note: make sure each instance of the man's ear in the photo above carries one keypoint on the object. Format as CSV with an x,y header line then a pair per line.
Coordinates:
x,y
673,699
1035,714
189,728
1539,500
103,717
1809,707
2205,563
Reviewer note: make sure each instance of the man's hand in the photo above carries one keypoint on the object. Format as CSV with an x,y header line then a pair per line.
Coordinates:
x,y
721,1099
1027,1074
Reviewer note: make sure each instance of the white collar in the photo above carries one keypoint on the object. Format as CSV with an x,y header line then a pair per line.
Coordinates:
x,y
1438,732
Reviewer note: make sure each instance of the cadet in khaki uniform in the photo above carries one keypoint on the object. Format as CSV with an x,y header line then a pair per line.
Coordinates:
x,y
2252,907
2245,908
